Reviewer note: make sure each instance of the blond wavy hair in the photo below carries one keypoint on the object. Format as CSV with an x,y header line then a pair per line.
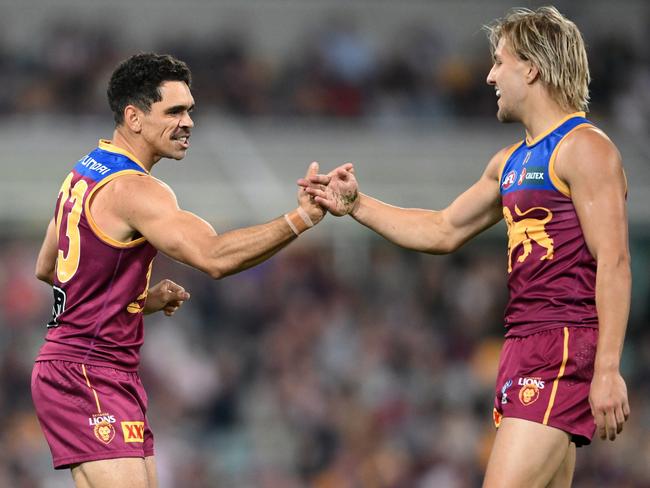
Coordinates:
x,y
554,45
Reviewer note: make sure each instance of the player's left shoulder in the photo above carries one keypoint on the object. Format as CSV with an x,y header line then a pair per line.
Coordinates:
x,y
587,151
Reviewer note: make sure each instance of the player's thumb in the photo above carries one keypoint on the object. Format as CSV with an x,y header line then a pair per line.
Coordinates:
x,y
312,170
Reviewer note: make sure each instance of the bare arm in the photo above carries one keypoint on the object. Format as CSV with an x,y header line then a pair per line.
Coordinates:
x,y
591,166
46,261
148,206
431,231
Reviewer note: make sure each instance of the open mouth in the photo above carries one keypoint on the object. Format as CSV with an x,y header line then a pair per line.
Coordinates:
x,y
183,140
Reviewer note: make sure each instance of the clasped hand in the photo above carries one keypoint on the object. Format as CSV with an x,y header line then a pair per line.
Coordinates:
x,y
337,192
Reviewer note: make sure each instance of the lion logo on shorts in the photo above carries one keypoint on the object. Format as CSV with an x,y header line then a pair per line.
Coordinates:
x,y
526,231
104,432
528,394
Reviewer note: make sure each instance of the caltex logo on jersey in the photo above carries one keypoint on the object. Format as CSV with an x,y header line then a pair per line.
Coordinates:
x,y
509,180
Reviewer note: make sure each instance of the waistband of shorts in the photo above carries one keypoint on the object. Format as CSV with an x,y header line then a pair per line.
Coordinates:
x,y
525,330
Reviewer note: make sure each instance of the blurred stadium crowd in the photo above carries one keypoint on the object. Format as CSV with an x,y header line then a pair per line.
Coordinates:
x,y
304,372
332,72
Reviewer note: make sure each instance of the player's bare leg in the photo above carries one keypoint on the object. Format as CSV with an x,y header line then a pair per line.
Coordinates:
x,y
564,475
152,473
113,473
528,455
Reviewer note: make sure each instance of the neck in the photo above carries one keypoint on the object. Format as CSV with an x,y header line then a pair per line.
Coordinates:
x,y
136,146
544,116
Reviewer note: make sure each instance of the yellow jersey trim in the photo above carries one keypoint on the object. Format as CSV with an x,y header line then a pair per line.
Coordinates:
x,y
565,358
101,235
107,145
558,124
83,370
507,155
555,179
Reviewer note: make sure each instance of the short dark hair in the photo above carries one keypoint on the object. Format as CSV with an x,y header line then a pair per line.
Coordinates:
x,y
136,81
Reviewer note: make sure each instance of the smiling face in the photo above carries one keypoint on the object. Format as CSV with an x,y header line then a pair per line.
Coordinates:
x,y
166,127
510,77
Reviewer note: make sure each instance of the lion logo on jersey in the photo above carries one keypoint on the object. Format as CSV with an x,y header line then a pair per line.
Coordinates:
x,y
526,231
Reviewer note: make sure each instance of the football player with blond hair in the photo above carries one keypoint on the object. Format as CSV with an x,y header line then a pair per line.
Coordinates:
x,y
562,189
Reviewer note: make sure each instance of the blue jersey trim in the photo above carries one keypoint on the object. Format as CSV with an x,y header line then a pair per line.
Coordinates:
x,y
527,168
100,164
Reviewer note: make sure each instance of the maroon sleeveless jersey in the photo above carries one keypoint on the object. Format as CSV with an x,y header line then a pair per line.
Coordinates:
x,y
100,284
551,273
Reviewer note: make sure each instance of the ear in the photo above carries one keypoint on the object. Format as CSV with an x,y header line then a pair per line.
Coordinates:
x,y
532,74
133,118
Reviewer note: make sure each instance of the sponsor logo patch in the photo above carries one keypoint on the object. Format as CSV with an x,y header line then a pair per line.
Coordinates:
x,y
509,180
522,177
102,426
58,307
504,389
133,431
496,416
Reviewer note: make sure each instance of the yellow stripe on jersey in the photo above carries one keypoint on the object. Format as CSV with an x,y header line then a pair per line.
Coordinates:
x,y
565,358
509,152
555,179
91,221
547,132
107,145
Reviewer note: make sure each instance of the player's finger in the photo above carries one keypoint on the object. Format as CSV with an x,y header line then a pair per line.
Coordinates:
x,y
345,170
312,170
178,295
610,419
170,310
620,419
325,203
599,418
175,291
320,179
344,167
626,410
316,192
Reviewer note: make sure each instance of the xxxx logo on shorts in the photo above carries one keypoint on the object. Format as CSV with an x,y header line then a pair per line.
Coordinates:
x,y
102,426
529,391
133,431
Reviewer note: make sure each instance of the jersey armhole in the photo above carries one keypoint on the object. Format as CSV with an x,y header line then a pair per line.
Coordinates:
x,y
506,156
99,233
556,181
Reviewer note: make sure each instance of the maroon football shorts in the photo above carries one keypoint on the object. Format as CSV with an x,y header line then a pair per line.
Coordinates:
x,y
89,413
545,378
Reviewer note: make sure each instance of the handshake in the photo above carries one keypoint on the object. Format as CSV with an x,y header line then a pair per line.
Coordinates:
x,y
336,192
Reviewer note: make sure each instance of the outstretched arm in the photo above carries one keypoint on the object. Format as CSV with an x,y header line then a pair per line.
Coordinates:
x,y
46,261
591,166
431,231
145,205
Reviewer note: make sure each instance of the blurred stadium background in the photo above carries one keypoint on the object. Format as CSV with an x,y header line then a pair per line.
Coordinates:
x,y
343,362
